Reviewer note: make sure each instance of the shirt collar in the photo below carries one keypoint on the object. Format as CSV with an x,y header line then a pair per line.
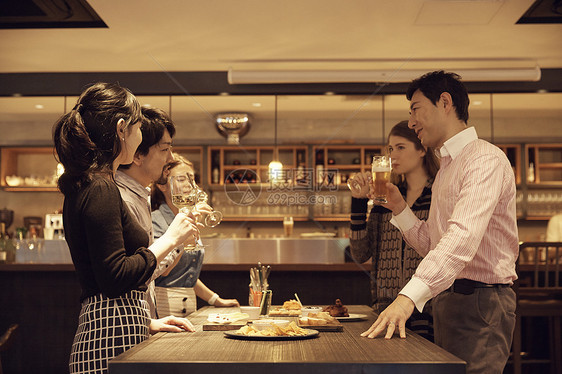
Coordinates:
x,y
166,213
131,184
453,146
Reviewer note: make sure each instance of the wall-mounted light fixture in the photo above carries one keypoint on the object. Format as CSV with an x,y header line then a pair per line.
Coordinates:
x,y
376,76
232,126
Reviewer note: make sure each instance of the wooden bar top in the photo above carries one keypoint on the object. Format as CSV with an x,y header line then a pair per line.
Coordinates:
x,y
348,266
329,353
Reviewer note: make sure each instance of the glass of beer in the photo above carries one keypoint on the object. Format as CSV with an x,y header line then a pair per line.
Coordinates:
x,y
288,224
381,176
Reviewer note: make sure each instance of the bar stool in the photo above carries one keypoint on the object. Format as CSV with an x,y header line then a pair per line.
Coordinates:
x,y
6,340
540,296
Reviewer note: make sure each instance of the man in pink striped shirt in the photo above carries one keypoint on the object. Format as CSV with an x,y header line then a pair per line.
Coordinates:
x,y
469,241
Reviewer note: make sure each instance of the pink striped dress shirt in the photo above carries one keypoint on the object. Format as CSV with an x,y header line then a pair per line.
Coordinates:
x,y
471,231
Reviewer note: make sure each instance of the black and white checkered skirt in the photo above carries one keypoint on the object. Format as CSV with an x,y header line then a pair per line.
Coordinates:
x,y
106,328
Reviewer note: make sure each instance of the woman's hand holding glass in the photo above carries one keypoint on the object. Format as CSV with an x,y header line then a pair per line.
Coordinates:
x,y
360,185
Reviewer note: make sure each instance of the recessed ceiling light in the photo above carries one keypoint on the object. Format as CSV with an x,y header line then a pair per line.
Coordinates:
x,y
477,102
224,94
39,106
257,105
542,90
329,93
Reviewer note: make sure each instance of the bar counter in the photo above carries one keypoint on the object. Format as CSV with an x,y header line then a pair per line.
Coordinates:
x,y
43,296
329,353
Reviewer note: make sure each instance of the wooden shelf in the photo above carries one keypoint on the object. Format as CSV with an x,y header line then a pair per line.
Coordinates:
x,y
547,163
25,162
346,157
254,160
263,218
30,189
537,218
333,218
546,158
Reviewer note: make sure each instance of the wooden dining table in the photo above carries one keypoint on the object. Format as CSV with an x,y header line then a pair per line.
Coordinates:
x,y
327,353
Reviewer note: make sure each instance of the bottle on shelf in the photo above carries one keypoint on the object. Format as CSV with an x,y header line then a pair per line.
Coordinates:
x,y
3,252
531,173
7,248
319,167
300,177
216,175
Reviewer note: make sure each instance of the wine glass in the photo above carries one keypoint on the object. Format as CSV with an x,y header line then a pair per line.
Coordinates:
x,y
211,219
184,196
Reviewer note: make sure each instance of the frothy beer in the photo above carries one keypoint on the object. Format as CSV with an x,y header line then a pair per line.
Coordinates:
x,y
381,176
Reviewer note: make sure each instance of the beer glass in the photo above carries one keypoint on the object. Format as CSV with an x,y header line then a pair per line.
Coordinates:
x,y
381,176
288,224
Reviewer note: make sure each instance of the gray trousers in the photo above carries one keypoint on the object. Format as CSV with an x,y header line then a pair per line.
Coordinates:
x,y
477,328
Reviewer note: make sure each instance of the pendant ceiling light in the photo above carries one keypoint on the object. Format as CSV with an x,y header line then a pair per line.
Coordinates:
x,y
275,166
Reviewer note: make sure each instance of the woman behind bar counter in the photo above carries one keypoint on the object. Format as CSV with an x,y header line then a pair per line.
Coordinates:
x,y
393,261
107,245
175,292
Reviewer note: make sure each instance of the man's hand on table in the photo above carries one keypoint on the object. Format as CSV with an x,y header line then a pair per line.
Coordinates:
x,y
170,324
396,314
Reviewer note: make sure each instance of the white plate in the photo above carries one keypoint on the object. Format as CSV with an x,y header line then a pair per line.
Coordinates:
x,y
352,317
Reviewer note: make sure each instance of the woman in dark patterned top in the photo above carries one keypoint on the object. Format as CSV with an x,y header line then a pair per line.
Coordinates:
x,y
108,247
393,262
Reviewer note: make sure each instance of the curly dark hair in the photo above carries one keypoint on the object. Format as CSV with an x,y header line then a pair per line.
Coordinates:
x,y
86,138
433,84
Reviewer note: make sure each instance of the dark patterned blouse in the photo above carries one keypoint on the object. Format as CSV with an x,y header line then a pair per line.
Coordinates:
x,y
393,261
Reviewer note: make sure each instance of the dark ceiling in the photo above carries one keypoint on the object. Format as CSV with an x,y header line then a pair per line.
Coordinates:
x,y
37,14
543,12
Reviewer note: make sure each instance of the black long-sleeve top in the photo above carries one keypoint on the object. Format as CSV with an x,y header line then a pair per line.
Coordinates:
x,y
107,245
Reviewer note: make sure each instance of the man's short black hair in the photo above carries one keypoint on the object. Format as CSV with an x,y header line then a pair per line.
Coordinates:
x,y
154,123
432,85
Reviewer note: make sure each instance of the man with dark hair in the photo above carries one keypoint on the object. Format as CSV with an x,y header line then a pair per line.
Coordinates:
x,y
133,180
469,241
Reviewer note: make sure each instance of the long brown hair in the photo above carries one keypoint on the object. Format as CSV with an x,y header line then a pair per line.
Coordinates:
x,y
430,162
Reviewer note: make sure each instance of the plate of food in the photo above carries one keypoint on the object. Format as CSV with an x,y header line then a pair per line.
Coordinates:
x,y
290,332
337,309
290,308
321,321
225,321
227,317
